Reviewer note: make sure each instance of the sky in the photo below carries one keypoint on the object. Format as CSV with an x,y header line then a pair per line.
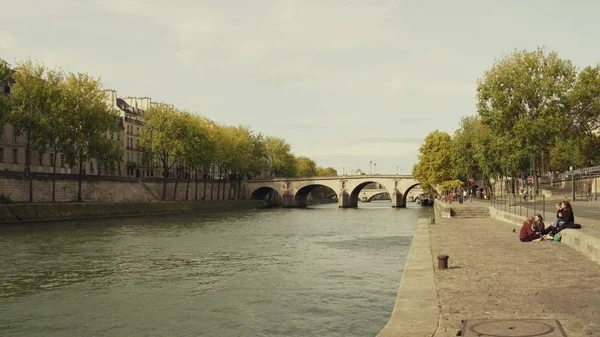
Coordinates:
x,y
345,82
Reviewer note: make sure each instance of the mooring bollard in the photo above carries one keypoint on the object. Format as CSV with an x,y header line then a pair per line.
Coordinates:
x,y
442,261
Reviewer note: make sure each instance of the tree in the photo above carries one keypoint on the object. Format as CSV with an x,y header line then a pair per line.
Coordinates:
x,y
435,164
164,135
584,103
326,172
29,97
524,96
52,132
280,160
86,125
198,150
5,102
305,167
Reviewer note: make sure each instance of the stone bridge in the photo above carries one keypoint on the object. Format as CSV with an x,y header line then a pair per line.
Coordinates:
x,y
293,192
368,194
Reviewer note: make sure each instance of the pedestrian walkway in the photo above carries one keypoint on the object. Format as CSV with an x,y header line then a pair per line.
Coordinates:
x,y
493,275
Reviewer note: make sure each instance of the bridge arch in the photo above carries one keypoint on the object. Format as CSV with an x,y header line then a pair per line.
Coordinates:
x,y
406,193
301,196
265,193
370,198
355,193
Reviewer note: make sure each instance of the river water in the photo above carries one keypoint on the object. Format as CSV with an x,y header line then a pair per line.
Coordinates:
x,y
321,271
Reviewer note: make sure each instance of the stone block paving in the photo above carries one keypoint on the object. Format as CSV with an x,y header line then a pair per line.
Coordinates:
x,y
493,275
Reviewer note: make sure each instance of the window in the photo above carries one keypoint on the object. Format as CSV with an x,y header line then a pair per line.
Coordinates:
x,y
15,157
51,159
1,155
138,158
41,159
62,160
138,131
92,167
15,134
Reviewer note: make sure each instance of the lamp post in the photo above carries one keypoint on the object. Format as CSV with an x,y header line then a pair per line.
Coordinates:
x,y
370,167
572,171
396,170
375,165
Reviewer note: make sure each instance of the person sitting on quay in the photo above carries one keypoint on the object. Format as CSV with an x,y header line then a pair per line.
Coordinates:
x,y
533,228
565,217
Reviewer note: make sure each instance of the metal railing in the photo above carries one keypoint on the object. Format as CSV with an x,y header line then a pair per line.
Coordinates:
x,y
525,206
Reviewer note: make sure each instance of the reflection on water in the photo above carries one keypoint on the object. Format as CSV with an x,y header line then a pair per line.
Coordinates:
x,y
321,271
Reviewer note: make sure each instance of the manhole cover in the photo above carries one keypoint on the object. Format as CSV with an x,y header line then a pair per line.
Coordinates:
x,y
512,328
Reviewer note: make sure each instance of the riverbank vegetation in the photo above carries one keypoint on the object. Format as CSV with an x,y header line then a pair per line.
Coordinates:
x,y
535,113
68,113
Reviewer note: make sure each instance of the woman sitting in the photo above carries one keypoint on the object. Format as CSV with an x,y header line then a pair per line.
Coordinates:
x,y
533,228
565,218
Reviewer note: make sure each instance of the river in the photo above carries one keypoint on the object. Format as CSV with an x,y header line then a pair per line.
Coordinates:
x,y
321,271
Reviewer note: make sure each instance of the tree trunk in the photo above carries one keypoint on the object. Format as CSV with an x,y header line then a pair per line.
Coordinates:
x,y
239,187
230,187
196,192
224,184
28,165
534,173
54,180
204,177
187,187
219,186
176,183
163,197
80,176
212,186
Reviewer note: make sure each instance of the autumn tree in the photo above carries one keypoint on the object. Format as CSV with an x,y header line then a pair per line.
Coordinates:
x,y
525,97
435,164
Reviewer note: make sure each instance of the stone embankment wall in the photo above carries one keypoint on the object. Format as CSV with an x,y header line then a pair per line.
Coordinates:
x,y
14,213
107,189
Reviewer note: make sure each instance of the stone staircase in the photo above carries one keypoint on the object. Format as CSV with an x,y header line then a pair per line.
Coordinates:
x,y
470,212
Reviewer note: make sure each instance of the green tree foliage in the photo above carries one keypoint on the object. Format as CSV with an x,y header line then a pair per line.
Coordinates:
x,y
532,105
280,160
68,115
305,167
436,161
326,172
5,103
29,97
52,128
165,136
525,96
87,124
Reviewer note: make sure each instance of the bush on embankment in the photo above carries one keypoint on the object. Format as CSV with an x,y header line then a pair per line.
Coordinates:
x,y
10,213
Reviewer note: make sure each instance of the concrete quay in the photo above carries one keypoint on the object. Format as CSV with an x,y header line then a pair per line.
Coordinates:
x,y
492,275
